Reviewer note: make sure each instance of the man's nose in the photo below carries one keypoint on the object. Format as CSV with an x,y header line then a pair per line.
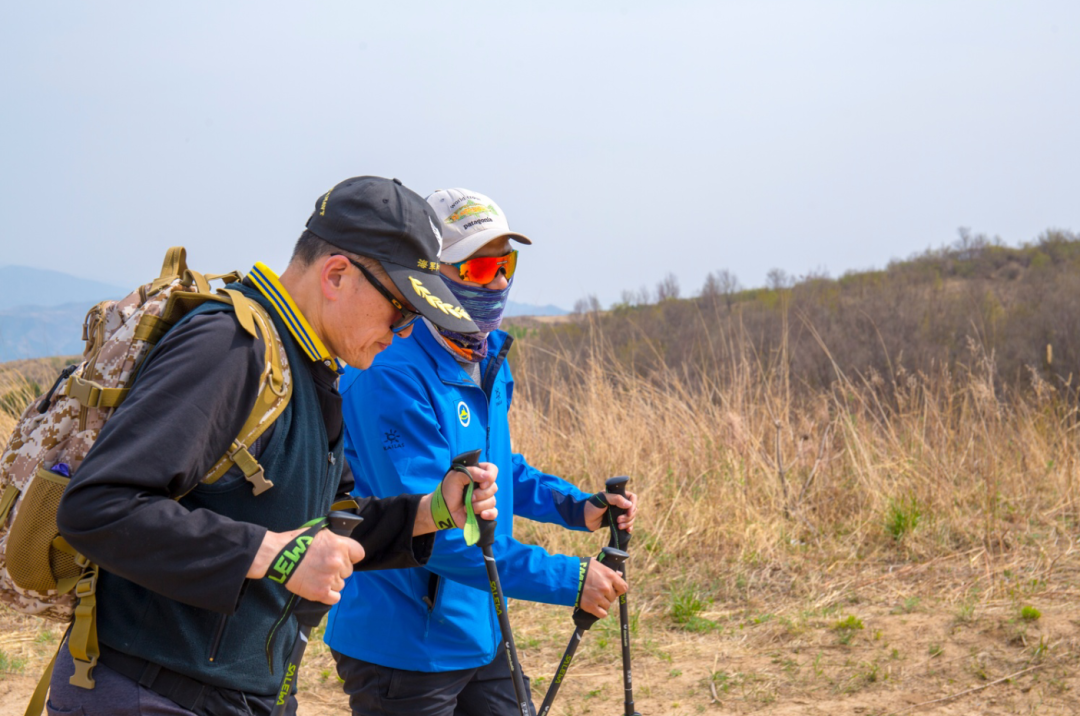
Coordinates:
x,y
499,282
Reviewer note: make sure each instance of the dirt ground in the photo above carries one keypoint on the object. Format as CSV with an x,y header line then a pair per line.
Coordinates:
x,y
883,641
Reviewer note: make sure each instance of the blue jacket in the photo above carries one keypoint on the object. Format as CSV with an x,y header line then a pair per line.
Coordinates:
x,y
406,417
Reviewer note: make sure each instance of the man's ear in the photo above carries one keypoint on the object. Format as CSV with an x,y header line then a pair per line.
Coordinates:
x,y
332,276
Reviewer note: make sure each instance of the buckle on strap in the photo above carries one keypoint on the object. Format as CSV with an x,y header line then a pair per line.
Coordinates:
x,y
252,469
86,586
82,676
85,391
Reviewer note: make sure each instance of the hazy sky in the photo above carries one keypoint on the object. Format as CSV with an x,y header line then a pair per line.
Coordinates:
x,y
627,139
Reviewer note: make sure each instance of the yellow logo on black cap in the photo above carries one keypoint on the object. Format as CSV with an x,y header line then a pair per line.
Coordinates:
x,y
436,302
322,207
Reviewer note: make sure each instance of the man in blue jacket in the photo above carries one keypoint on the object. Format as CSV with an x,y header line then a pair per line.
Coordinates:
x,y
426,640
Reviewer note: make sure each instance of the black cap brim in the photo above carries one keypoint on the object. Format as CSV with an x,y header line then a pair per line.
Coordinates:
x,y
429,295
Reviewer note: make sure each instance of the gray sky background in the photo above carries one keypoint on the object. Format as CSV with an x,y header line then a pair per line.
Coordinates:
x,y
628,139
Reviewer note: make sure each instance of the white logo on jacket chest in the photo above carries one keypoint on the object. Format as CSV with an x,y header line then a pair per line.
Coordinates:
x,y
463,414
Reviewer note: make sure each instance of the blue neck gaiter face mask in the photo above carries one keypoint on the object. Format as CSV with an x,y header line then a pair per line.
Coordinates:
x,y
486,307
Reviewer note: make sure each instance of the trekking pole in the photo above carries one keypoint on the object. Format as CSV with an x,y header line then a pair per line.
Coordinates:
x,y
583,620
342,524
486,539
621,540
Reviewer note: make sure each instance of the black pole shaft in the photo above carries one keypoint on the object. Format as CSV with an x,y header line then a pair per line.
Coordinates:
x,y
342,524
487,538
620,539
292,667
507,633
556,682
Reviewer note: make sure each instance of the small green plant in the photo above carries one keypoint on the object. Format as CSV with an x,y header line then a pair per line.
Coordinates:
x,y
1029,613
324,675
674,672
686,605
721,680
9,665
44,637
965,613
845,628
902,517
935,650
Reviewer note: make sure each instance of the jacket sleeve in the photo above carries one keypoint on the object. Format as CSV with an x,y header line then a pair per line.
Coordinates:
x,y
546,498
384,408
386,534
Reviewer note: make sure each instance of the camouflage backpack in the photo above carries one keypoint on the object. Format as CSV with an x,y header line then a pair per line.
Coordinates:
x,y
40,573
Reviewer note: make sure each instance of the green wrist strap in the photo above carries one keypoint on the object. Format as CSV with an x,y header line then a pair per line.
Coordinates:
x,y
283,565
583,570
440,513
471,529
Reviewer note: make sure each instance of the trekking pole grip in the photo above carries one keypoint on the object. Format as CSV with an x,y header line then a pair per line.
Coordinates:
x,y
487,527
343,523
620,538
612,559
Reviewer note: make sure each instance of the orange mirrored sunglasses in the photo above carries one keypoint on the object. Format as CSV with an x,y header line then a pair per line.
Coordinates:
x,y
484,269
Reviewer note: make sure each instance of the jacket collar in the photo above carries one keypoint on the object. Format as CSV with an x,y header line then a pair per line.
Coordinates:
x,y
269,285
445,364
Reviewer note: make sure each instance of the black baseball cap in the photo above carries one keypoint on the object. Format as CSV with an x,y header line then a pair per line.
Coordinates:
x,y
383,220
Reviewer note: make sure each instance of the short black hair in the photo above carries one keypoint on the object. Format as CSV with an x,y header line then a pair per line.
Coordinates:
x,y
310,248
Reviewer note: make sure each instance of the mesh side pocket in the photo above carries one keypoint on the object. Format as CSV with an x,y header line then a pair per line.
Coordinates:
x,y
31,558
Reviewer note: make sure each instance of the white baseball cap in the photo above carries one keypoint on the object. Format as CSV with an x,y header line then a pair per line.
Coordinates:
x,y
468,220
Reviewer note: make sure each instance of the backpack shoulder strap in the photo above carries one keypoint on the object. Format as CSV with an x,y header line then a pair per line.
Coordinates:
x,y
274,393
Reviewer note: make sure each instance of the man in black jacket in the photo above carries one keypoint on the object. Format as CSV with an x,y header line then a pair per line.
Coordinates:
x,y
183,606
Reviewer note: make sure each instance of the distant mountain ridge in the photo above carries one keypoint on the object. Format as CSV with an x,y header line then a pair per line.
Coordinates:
x,y
42,311
528,309
26,286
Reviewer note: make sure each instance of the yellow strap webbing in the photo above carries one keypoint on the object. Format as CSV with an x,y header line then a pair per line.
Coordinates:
x,y
194,277
243,306
151,328
83,642
172,268
6,501
231,277
344,505
94,395
273,397
37,702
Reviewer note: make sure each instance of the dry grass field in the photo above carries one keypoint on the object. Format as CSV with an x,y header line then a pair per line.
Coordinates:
x,y
901,543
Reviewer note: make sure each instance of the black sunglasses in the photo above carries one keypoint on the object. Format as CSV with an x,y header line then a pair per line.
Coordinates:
x,y
407,314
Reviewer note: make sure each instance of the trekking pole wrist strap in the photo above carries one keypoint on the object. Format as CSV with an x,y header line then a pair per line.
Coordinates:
x,y
440,513
583,572
583,619
285,563
471,527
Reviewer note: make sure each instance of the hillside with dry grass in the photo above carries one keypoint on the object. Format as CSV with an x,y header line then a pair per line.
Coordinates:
x,y
895,532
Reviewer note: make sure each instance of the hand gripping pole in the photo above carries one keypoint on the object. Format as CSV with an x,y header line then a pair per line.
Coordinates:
x,y
583,620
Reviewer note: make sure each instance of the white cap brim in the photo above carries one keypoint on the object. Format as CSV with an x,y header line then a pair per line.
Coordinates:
x,y
471,244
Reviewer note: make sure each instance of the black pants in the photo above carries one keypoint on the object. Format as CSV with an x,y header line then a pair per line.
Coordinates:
x,y
377,690
118,695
